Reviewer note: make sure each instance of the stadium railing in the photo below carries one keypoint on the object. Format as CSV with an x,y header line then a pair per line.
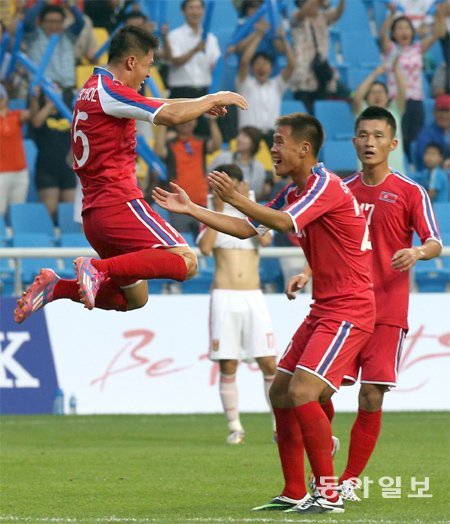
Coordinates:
x,y
16,253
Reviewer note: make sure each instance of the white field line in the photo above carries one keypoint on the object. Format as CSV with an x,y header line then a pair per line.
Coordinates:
x,y
113,518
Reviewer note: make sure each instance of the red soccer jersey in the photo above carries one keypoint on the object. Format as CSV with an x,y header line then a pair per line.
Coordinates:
x,y
394,209
334,236
104,139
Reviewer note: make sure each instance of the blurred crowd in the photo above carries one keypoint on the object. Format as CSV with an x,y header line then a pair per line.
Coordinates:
x,y
302,60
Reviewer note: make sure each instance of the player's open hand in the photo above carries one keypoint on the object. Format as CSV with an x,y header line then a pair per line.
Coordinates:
x,y
404,259
296,283
229,98
222,185
176,202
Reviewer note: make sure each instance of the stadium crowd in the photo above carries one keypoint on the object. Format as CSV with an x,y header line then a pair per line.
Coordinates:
x,y
302,59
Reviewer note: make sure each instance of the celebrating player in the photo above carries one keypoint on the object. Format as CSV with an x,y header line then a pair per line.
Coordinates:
x,y
134,243
394,206
333,233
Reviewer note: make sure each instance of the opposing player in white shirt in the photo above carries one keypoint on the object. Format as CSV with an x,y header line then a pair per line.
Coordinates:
x,y
240,324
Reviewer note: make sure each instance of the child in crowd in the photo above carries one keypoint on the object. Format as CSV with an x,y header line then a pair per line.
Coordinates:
x,y
433,178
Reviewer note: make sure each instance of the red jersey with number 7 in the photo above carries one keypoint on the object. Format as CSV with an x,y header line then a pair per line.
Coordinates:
x,y
334,236
394,209
104,139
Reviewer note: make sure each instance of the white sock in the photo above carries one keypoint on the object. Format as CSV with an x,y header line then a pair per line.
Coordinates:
x,y
229,396
268,379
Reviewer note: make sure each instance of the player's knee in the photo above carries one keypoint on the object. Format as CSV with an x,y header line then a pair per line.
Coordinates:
x,y
137,303
191,262
371,397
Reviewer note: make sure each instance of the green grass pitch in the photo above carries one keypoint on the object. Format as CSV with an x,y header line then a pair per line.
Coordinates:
x,y
178,469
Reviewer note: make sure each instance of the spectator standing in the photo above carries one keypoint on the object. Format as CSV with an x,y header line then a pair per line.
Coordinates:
x,y
256,84
192,58
373,92
14,178
185,156
397,37
55,179
438,131
240,324
85,44
50,21
310,34
247,146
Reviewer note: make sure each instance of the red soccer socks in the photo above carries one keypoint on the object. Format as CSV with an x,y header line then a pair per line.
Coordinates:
x,y
316,432
145,264
364,436
291,450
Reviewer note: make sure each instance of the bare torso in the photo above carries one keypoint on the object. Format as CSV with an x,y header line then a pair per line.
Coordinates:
x,y
236,269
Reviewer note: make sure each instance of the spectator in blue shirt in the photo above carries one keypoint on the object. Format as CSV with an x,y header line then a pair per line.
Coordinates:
x,y
41,22
433,177
438,132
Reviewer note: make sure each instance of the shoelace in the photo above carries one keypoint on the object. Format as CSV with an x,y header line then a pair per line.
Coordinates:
x,y
309,502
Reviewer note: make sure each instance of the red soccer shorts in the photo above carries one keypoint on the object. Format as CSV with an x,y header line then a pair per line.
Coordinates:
x,y
379,358
126,228
325,348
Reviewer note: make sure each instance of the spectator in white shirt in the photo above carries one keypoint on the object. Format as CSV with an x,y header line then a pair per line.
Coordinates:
x,y
263,92
192,58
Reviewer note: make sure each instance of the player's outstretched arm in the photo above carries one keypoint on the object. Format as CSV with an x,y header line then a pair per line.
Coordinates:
x,y
185,110
179,202
222,184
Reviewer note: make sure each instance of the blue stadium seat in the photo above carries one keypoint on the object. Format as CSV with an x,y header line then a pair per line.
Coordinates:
x,y
336,118
271,274
201,283
189,237
354,18
442,214
158,286
292,106
30,267
71,240
31,218
354,76
431,276
359,49
339,156
163,213
428,105
380,12
64,217
31,156
17,103
6,268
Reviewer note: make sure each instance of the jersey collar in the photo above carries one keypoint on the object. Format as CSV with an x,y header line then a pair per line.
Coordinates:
x,y
104,72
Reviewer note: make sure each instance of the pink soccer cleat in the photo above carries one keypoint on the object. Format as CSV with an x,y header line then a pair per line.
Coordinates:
x,y
89,280
37,295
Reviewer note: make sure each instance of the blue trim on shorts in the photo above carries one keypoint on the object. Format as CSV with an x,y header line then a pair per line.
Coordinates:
x,y
336,347
153,224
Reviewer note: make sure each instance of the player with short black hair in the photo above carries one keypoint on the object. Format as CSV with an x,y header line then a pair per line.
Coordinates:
x,y
134,242
395,206
319,208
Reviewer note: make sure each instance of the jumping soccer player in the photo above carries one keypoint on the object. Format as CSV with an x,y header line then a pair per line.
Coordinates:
x,y
134,243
